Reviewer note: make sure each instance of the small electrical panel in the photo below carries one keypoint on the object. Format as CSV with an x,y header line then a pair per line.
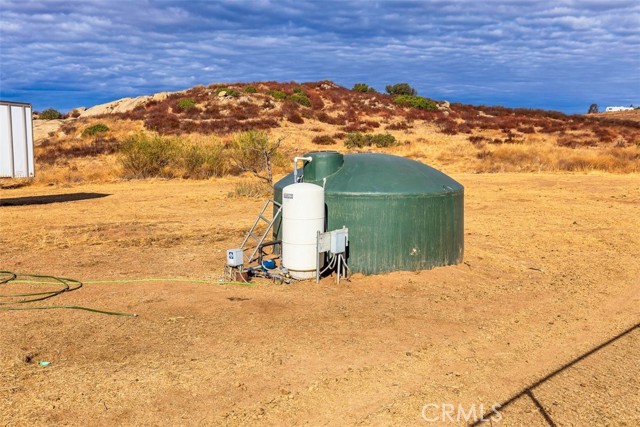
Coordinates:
x,y
339,240
235,257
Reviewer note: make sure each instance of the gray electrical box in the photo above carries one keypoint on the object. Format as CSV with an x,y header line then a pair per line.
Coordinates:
x,y
339,240
16,140
235,257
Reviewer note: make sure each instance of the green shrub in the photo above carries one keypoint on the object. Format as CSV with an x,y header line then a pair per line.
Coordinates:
x,y
301,98
355,140
299,90
228,92
50,114
278,94
359,140
401,89
250,89
364,88
203,161
383,140
143,156
186,104
95,129
415,102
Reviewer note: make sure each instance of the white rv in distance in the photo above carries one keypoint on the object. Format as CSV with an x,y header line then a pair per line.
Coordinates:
x,y
614,109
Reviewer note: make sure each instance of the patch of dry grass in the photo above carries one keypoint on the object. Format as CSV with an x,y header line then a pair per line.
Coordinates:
x,y
251,189
523,158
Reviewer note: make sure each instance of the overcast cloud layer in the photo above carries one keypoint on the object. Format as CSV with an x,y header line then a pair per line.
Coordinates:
x,y
556,54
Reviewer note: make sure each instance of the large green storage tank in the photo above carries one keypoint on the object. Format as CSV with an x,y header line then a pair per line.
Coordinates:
x,y
401,214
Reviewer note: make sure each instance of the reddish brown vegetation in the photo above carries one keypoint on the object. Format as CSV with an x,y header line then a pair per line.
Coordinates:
x,y
48,151
364,112
323,140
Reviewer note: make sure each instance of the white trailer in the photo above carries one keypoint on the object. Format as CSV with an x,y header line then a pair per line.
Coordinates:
x,y
615,109
16,140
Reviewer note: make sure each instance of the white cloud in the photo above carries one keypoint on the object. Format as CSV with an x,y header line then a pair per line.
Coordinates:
x,y
438,46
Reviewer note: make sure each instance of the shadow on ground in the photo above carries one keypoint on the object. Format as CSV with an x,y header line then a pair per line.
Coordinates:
x,y
53,198
528,392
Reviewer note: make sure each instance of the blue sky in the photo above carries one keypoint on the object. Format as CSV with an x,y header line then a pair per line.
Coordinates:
x,y
551,54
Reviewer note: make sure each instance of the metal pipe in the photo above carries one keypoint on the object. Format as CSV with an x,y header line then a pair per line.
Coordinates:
x,y
295,166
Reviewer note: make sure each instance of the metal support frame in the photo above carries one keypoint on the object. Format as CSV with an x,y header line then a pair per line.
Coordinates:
x,y
259,239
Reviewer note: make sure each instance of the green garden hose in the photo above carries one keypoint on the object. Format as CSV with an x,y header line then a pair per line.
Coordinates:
x,y
68,285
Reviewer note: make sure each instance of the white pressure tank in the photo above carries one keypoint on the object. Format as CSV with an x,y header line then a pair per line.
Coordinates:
x,y
302,218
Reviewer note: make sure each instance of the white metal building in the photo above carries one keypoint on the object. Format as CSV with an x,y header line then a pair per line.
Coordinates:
x,y
16,140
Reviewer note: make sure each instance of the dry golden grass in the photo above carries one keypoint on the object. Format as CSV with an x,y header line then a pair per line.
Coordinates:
x,y
556,276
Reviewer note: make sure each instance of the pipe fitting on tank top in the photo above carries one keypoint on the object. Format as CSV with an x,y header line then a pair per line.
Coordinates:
x,y
295,166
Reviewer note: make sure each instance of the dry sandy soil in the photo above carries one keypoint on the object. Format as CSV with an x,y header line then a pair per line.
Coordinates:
x,y
551,271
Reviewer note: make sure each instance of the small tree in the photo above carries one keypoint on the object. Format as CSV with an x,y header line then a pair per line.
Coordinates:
x,y
50,114
593,108
363,87
254,152
401,89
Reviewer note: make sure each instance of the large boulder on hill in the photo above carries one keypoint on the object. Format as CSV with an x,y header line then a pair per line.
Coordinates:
x,y
123,105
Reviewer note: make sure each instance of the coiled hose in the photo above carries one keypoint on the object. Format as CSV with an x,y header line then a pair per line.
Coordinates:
x,y
12,302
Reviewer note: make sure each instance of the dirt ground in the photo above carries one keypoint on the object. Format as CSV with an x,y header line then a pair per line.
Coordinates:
x,y
551,271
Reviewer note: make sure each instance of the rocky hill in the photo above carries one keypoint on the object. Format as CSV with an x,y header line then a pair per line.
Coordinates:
x,y
323,115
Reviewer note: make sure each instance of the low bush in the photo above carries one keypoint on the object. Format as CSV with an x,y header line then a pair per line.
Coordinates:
x,y
52,151
295,118
354,127
50,114
359,140
526,129
185,104
326,118
144,156
478,140
278,94
383,140
95,129
403,125
301,98
250,89
415,102
203,161
68,128
316,100
447,126
162,122
356,140
323,140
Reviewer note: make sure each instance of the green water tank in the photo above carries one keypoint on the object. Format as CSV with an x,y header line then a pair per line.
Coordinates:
x,y
402,215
